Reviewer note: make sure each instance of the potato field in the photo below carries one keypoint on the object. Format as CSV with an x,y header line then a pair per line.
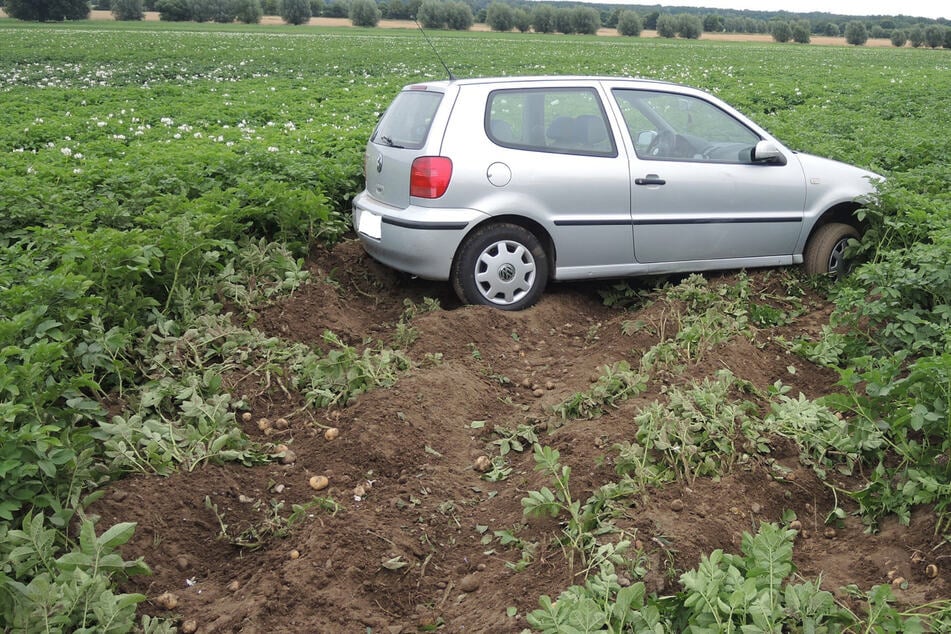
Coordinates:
x,y
217,414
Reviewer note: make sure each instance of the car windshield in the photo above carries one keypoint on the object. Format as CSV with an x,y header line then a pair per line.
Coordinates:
x,y
405,124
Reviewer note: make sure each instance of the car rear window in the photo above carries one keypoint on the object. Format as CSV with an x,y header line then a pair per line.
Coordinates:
x,y
407,121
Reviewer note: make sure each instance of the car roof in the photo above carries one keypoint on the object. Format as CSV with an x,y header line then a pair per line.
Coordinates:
x,y
445,83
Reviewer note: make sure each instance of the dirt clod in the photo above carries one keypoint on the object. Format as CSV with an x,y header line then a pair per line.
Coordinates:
x,y
470,583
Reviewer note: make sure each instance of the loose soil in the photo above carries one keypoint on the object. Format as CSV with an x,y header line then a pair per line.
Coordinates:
x,y
404,553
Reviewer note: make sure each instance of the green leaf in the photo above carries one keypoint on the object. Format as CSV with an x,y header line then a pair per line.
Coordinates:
x,y
116,535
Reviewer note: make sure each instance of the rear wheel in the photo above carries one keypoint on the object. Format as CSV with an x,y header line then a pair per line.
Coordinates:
x,y
501,265
825,252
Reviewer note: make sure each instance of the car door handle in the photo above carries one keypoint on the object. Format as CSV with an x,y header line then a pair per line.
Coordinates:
x,y
650,179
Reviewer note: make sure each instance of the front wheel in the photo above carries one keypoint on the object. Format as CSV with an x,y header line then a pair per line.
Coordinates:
x,y
501,265
825,252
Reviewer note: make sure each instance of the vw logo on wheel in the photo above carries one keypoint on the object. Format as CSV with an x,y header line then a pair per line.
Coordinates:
x,y
506,272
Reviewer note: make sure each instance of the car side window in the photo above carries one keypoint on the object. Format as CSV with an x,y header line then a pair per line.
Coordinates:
x,y
560,120
667,126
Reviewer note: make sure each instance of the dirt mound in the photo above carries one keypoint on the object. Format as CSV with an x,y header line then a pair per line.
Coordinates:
x,y
404,535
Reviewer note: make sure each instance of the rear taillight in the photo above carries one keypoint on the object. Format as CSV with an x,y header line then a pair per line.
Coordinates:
x,y
429,177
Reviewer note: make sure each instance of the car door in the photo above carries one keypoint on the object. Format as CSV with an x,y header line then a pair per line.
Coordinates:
x,y
552,156
696,192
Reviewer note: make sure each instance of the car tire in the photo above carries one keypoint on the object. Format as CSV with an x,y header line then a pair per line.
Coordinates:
x,y
502,265
825,252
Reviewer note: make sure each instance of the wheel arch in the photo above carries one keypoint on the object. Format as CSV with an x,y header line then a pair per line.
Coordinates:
x,y
843,212
526,223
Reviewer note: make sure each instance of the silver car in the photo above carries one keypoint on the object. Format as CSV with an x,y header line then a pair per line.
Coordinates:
x,y
502,184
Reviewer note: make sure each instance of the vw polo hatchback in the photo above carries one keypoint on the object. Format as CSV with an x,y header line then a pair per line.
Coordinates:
x,y
500,185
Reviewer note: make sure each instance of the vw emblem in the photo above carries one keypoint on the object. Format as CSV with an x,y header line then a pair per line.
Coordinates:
x,y
507,272
379,163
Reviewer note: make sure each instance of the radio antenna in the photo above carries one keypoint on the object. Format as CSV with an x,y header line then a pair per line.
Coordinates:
x,y
433,46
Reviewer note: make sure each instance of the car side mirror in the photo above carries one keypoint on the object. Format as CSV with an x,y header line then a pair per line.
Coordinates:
x,y
767,152
645,138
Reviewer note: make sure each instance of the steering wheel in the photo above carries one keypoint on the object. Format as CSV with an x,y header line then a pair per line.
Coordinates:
x,y
662,144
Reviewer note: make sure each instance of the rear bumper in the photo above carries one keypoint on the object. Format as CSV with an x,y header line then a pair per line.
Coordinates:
x,y
421,241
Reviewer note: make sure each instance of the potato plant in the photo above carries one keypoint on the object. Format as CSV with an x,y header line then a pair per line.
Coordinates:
x,y
150,169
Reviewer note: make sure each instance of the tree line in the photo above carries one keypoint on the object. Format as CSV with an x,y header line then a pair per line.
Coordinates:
x,y
554,17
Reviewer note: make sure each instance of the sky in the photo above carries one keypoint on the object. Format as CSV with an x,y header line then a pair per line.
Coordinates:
x,y
916,8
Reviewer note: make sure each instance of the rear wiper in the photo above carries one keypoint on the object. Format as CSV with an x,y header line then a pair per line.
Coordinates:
x,y
388,141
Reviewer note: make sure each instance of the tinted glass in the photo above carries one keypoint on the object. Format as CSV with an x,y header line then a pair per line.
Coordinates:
x,y
407,121
562,120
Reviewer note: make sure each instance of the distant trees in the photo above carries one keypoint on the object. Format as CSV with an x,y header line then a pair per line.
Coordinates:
x,y
689,26
781,31
856,33
629,23
585,20
934,36
500,17
248,11
47,10
221,11
686,25
127,10
201,10
174,10
667,25
801,32
712,23
563,21
364,13
224,11
458,16
543,18
295,11
523,20
433,14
